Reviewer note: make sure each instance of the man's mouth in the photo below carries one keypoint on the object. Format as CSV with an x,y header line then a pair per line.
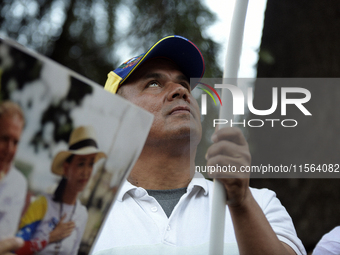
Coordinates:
x,y
180,109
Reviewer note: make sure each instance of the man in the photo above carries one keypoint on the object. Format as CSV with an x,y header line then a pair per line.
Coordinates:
x,y
13,185
162,209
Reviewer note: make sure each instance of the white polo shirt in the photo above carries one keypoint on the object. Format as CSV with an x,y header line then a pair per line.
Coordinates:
x,y
13,190
137,223
329,243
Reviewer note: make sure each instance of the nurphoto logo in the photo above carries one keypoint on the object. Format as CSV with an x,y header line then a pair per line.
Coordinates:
x,y
238,104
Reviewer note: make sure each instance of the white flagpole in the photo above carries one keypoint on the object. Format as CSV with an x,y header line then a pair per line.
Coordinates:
x,y
232,63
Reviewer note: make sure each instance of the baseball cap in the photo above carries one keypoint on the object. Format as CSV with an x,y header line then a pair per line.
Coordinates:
x,y
177,48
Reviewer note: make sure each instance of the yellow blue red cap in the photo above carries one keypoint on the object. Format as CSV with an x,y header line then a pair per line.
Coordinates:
x,y
177,48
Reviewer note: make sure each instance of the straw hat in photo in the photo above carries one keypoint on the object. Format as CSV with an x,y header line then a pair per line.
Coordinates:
x,y
82,142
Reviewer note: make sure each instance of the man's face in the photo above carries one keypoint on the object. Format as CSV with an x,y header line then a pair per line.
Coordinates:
x,y
161,88
10,131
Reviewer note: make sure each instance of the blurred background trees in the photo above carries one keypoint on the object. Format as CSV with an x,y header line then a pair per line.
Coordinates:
x,y
93,37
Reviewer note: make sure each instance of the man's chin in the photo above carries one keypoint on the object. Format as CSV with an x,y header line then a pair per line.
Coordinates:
x,y
189,133
4,168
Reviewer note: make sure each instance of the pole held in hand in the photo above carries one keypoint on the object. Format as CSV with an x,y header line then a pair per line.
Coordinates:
x,y
232,63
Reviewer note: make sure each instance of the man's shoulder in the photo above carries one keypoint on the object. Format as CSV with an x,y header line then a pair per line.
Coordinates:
x,y
265,198
15,178
329,243
258,193
15,174
262,192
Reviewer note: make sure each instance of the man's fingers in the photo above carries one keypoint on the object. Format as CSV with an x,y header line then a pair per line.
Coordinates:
x,y
222,162
232,134
10,244
226,159
229,148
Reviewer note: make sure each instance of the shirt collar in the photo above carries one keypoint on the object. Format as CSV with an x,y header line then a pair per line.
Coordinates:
x,y
126,187
197,181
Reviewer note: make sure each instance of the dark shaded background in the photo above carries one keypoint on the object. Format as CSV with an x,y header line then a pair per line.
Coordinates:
x,y
301,39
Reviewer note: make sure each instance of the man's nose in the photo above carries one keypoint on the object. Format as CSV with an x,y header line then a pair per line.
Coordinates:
x,y
179,92
11,147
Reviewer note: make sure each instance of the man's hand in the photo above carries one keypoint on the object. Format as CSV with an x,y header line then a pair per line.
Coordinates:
x,y
10,244
61,231
253,232
230,149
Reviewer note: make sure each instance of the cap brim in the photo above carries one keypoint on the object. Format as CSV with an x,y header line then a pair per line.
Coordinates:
x,y
180,50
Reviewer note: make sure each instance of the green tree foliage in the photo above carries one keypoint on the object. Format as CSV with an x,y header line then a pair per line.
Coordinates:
x,y
85,35
76,33
154,19
92,37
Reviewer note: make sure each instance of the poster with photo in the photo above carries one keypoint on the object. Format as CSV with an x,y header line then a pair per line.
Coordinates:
x,y
64,114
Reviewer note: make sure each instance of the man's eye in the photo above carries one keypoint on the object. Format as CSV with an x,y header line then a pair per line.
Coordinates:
x,y
153,84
